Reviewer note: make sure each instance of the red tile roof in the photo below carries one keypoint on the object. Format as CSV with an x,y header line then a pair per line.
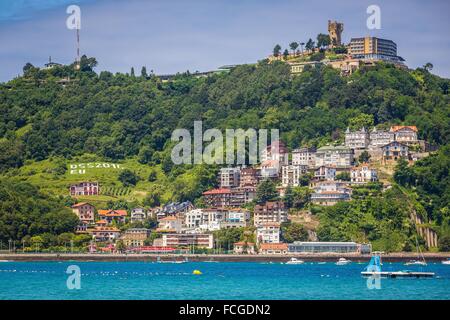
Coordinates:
x,y
217,191
273,246
81,204
112,213
396,128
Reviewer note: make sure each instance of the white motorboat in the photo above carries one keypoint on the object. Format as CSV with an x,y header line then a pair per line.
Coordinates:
x,y
343,262
446,261
295,261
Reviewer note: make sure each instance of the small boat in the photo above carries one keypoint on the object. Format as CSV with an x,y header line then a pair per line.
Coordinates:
x,y
421,259
415,263
446,261
4,261
295,261
343,262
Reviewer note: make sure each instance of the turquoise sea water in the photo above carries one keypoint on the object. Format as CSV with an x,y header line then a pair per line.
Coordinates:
x,y
234,280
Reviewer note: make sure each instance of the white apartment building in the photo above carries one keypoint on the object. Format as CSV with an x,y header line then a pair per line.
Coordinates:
x,y
304,157
363,174
290,175
357,139
229,177
339,156
268,233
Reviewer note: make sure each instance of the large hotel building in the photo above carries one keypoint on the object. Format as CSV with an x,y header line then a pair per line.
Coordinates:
x,y
374,48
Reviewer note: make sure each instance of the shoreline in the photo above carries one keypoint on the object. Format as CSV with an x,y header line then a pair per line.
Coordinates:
x,y
329,257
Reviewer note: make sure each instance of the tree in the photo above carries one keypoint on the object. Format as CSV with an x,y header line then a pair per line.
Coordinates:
x,y
310,45
444,244
344,176
323,40
144,72
288,197
277,50
120,246
145,155
128,178
152,177
293,46
364,157
428,66
403,175
360,121
87,64
291,232
266,191
132,72
301,197
27,68
285,54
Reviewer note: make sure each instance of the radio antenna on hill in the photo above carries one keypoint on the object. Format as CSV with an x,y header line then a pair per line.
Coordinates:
x,y
78,46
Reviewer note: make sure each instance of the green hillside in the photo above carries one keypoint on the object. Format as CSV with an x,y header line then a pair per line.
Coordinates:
x,y
127,120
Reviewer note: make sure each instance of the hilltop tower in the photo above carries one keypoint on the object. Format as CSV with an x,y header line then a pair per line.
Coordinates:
x,y
335,30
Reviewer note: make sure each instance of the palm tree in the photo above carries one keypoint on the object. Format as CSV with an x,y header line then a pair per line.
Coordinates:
x,y
293,46
301,46
310,45
277,50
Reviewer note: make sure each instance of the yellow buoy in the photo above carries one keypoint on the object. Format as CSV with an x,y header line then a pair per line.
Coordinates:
x,y
197,272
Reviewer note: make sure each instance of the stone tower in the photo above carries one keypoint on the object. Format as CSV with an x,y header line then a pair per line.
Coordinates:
x,y
335,30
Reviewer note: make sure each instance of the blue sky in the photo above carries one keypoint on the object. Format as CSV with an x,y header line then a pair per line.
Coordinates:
x,y
170,36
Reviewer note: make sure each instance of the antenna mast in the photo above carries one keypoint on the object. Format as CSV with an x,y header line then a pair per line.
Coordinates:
x,y
78,46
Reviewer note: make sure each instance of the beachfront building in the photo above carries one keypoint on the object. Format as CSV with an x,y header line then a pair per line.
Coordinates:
x,y
113,215
188,239
380,138
268,232
304,157
394,151
338,156
243,247
363,174
273,248
104,233
138,214
249,177
84,211
84,189
358,139
405,134
329,247
135,237
271,211
290,174
328,193
229,177
215,219
170,224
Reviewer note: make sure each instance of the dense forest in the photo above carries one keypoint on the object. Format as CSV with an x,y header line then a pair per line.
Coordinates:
x,y
119,116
